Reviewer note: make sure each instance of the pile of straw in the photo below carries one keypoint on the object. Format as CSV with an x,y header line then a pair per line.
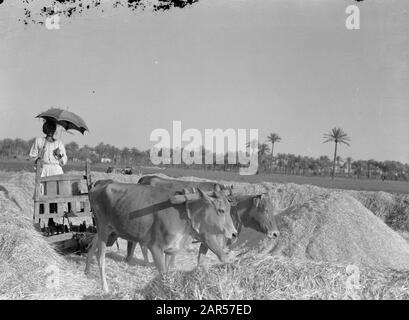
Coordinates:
x,y
279,278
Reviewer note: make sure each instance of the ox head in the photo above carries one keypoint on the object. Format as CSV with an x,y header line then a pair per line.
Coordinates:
x,y
209,214
261,216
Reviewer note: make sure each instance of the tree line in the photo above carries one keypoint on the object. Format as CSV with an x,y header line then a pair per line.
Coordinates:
x,y
281,163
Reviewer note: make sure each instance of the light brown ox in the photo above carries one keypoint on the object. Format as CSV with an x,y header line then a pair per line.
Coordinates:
x,y
157,218
255,212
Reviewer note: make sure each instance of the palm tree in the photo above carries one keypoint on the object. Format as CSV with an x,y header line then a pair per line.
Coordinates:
x,y
338,161
338,136
263,150
349,161
273,138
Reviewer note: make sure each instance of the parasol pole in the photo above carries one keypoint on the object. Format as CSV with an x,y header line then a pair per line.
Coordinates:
x,y
61,130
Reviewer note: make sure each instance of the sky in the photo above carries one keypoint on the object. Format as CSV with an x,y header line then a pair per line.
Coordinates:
x,y
285,66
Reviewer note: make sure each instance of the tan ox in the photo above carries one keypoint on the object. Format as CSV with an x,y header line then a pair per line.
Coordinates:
x,y
255,212
157,218
175,185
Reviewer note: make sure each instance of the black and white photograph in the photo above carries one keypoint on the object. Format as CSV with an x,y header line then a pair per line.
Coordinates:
x,y
204,153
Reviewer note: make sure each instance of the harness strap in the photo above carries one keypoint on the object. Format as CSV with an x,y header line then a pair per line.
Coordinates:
x,y
194,232
187,208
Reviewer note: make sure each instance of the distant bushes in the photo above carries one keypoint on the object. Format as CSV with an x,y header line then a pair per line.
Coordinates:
x,y
280,163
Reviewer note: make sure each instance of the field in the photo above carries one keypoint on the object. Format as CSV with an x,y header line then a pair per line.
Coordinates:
x,y
325,182
323,230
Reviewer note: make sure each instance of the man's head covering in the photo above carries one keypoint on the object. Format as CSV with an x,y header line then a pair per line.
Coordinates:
x,y
49,127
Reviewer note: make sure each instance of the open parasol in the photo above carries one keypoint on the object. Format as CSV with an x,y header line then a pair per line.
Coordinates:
x,y
67,119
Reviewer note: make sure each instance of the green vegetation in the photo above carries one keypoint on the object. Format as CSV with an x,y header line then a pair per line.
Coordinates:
x,y
273,138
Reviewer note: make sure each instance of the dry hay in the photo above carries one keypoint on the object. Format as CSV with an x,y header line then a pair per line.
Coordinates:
x,y
20,189
279,278
380,203
27,262
125,178
338,228
393,209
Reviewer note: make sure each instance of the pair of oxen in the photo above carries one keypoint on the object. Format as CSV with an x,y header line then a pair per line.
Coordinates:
x,y
161,214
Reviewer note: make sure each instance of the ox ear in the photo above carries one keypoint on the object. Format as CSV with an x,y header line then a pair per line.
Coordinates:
x,y
257,201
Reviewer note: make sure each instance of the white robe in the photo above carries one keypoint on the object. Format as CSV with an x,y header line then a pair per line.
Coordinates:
x,y
51,165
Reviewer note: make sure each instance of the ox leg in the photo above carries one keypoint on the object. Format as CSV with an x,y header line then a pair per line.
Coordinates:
x,y
172,261
158,258
202,251
130,250
90,254
169,261
144,250
101,262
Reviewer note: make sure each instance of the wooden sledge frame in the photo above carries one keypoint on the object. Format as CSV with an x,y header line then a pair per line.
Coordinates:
x,y
61,197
